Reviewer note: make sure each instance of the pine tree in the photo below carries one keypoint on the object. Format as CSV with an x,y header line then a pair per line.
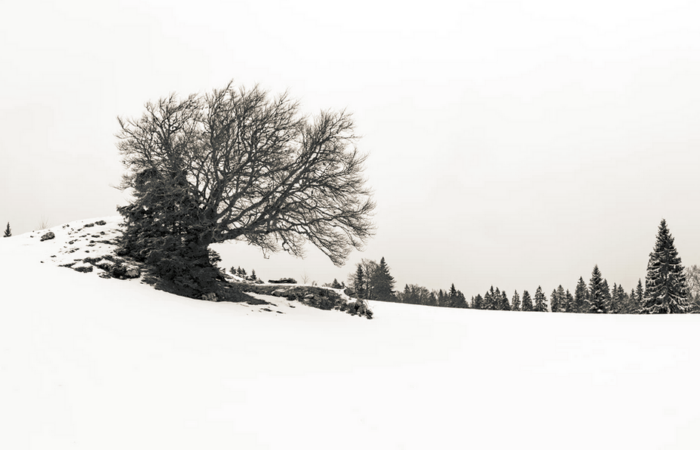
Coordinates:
x,y
8,231
596,302
161,231
505,305
666,289
255,277
580,296
554,301
639,297
607,298
570,302
382,282
527,302
478,302
460,300
359,282
540,300
516,302
335,284
561,295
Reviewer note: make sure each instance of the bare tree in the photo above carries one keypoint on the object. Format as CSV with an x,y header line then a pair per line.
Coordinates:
x,y
692,275
255,169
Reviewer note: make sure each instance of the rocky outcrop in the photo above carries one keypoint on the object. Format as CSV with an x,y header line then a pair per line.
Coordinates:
x,y
316,297
112,267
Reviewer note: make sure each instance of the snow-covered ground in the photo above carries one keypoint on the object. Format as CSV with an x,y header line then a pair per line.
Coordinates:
x,y
91,363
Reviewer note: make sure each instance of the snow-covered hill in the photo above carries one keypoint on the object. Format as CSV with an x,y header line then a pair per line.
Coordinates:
x,y
92,363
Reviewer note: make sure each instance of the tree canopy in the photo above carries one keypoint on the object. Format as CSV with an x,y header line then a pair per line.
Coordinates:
x,y
239,164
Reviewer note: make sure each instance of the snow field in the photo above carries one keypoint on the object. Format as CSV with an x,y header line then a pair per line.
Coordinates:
x,y
90,363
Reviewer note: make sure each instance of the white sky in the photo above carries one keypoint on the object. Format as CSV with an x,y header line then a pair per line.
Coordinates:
x,y
512,144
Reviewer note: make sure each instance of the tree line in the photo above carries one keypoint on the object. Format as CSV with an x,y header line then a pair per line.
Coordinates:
x,y
669,288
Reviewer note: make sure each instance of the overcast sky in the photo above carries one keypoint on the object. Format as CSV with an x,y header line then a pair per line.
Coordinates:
x,y
511,143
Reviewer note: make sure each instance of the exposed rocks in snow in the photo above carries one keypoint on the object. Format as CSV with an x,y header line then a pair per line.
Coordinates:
x,y
48,236
316,297
210,297
82,267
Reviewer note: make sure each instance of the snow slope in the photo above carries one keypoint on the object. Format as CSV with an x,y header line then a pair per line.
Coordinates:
x,y
91,363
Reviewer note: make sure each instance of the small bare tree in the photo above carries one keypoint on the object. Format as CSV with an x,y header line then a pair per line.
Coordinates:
x,y
692,275
247,166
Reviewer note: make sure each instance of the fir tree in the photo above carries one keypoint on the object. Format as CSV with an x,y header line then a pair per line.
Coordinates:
x,y
359,282
527,301
561,295
255,277
666,289
478,302
580,296
8,231
460,300
540,300
516,302
570,302
505,306
382,282
596,302
161,231
607,298
554,301
639,297
335,284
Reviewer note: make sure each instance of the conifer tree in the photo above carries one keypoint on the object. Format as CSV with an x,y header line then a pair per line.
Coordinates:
x,y
596,302
382,282
460,301
516,302
478,302
8,231
359,282
666,289
554,301
614,300
505,306
606,295
490,299
540,300
432,300
639,297
561,295
255,277
527,302
570,302
580,296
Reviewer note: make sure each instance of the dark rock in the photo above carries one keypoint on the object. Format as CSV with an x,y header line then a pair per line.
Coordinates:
x,y
100,222
48,236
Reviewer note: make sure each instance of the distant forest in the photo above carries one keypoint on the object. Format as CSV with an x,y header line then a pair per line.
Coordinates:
x,y
669,288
